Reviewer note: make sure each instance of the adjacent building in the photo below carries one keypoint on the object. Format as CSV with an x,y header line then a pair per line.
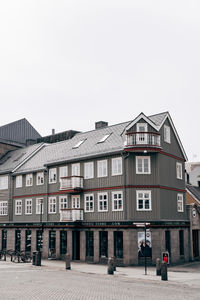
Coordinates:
x,y
91,195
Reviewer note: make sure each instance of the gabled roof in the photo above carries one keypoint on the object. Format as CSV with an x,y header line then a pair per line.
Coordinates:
x,y
194,191
19,131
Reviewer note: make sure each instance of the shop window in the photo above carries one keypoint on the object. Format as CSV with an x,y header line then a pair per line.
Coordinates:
x,y
63,242
28,241
103,243
89,243
118,244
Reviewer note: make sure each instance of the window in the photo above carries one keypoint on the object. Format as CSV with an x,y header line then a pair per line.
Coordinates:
x,y
63,242
18,207
141,138
143,165
167,137
102,202
116,166
40,178
18,181
102,168
168,241
143,200
52,205
75,201
28,207
89,170
3,182
89,203
104,138
29,179
79,143
63,172
118,244
39,206
117,201
180,203
63,202
3,208
52,175
179,173
76,170
181,242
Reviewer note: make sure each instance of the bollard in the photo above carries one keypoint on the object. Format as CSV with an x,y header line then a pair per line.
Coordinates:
x,y
34,258
38,258
110,266
5,256
158,266
67,262
164,271
114,262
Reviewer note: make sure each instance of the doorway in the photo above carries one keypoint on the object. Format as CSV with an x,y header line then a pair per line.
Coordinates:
x,y
75,245
195,239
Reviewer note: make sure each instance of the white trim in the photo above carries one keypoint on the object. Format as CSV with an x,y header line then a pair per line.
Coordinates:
x,y
29,179
142,116
52,204
114,160
38,212
55,173
98,168
63,197
178,195
137,202
16,213
113,193
37,175
16,185
89,167
101,194
3,207
26,200
85,201
181,170
149,165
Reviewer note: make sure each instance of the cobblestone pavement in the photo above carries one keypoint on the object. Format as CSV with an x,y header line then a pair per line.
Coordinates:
x,y
52,281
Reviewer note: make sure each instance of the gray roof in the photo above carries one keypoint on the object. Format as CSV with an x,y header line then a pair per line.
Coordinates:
x,y
19,131
158,119
194,190
14,158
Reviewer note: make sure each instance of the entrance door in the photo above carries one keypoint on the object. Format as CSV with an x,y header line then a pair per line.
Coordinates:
x,y
76,201
195,238
76,245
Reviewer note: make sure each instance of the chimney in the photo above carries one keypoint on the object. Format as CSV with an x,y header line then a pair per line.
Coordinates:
x,y
53,131
100,124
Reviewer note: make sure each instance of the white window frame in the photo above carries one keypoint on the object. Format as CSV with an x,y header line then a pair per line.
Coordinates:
x,y
40,178
63,202
75,169
52,205
143,199
167,134
4,182
116,200
100,168
141,138
116,166
104,138
38,203
76,202
18,181
149,164
3,208
18,207
100,200
52,175
29,179
89,170
180,202
88,199
63,172
28,207
179,170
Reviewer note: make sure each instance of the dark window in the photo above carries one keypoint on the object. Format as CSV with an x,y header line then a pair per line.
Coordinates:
x,y
4,239
103,243
28,241
63,242
118,244
167,241
39,240
52,243
89,243
181,242
17,240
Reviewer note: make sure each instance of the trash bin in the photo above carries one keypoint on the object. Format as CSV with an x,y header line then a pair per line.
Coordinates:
x,y
34,257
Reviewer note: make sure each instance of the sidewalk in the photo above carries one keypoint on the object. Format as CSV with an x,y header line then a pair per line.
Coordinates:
x,y
186,274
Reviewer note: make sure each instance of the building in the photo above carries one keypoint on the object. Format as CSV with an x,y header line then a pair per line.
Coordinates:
x,y
92,195
193,173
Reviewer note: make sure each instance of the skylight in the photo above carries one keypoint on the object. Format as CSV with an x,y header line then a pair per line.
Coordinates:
x,y
104,138
78,144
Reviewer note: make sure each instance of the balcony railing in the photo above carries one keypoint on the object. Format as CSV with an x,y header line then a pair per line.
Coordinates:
x,y
71,183
147,139
71,215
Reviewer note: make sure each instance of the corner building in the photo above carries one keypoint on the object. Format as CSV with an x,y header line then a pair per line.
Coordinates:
x,y
91,195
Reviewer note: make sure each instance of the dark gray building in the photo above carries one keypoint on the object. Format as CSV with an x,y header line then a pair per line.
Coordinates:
x,y
91,195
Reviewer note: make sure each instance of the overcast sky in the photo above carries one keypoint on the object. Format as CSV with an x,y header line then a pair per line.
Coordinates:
x,y
66,64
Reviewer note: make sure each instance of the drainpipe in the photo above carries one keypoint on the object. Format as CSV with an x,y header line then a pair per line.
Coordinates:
x,y
124,157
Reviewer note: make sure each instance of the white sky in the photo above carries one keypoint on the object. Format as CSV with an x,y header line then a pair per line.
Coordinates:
x,y
66,64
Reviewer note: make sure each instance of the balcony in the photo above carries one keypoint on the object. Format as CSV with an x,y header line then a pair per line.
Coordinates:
x,y
72,184
71,215
136,141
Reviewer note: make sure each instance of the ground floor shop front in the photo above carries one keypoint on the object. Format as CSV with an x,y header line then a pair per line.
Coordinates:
x,y
96,244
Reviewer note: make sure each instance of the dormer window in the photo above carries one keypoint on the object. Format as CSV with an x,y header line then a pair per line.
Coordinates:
x,y
104,138
141,137
79,143
167,137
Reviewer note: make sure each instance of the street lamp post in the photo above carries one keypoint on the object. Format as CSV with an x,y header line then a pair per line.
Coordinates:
x,y
144,225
